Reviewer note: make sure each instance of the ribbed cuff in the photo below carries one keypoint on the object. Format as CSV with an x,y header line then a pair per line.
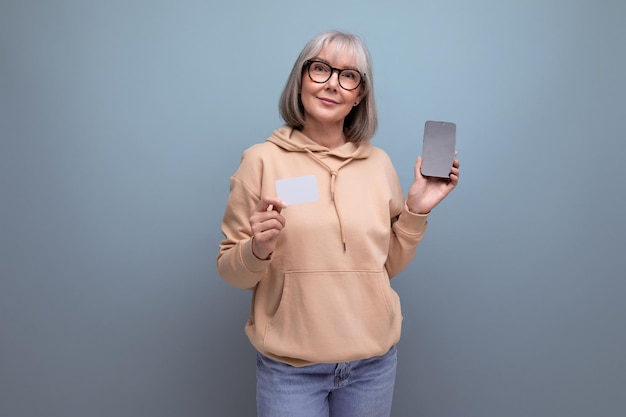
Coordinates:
x,y
412,223
251,262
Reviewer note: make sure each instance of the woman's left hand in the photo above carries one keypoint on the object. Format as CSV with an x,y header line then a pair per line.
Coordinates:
x,y
426,192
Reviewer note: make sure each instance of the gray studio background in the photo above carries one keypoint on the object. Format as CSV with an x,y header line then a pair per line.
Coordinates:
x,y
121,122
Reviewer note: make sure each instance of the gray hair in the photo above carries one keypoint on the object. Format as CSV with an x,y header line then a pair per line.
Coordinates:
x,y
361,123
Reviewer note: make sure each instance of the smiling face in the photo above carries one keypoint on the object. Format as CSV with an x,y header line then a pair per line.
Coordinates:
x,y
327,104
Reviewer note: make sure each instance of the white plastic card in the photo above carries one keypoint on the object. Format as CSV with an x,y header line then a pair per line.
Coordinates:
x,y
297,190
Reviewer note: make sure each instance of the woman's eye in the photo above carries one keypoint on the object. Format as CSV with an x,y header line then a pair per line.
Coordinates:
x,y
320,68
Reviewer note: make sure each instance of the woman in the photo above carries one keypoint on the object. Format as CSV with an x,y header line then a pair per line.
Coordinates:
x,y
324,318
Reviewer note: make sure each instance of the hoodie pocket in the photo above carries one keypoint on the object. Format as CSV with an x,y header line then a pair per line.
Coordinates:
x,y
328,316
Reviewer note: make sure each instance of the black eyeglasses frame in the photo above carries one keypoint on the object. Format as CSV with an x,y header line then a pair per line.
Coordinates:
x,y
309,62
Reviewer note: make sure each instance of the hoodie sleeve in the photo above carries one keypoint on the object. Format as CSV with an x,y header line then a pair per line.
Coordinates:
x,y
406,233
236,263
407,229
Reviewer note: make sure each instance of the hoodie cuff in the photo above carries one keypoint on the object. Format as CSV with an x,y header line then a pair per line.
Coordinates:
x,y
412,223
251,262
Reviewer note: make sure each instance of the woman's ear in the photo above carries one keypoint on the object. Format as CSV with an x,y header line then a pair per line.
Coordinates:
x,y
359,96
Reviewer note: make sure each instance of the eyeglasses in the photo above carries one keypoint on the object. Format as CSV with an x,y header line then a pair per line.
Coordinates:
x,y
320,72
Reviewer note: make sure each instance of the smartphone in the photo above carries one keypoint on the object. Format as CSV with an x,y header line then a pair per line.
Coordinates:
x,y
438,148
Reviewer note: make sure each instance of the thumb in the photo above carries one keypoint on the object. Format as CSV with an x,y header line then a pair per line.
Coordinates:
x,y
270,203
418,167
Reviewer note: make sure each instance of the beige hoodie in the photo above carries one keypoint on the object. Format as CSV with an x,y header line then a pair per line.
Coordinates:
x,y
324,294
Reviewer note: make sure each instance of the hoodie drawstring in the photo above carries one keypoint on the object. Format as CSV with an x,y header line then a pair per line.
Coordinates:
x,y
333,176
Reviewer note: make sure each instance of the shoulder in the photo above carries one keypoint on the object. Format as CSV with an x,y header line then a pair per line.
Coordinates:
x,y
378,155
258,150
254,158
380,162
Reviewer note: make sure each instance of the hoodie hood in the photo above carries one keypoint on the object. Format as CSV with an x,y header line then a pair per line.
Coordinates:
x,y
293,140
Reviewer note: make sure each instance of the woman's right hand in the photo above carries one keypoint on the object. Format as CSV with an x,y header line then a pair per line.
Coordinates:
x,y
266,223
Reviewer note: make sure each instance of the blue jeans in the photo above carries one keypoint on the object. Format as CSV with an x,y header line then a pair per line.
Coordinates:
x,y
361,388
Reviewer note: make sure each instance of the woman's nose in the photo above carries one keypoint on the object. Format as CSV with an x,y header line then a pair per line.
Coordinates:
x,y
333,81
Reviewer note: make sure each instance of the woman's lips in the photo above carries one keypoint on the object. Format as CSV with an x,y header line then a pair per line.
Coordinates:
x,y
327,100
